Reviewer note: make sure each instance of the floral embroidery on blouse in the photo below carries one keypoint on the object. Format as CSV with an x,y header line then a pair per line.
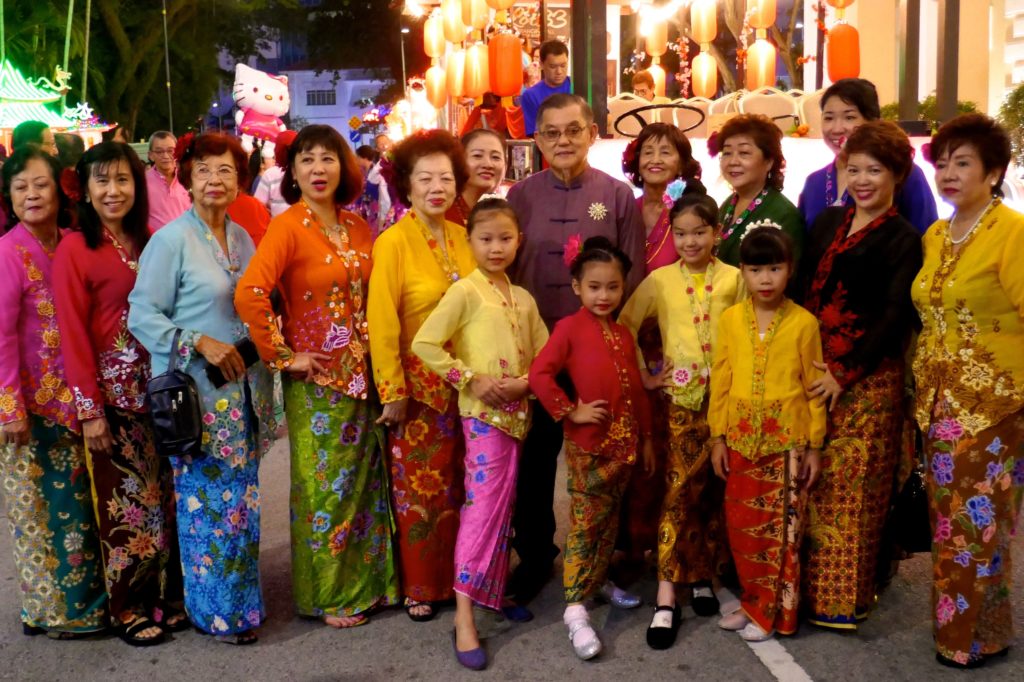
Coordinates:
x,y
623,435
123,375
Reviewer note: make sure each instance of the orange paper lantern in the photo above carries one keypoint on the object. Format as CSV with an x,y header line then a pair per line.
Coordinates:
x,y
703,21
455,73
658,74
477,79
657,39
475,14
704,73
433,37
760,65
451,16
437,95
762,13
840,4
500,4
506,64
843,52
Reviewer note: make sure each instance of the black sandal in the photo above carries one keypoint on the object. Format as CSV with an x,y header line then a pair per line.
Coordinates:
x,y
32,630
170,613
128,632
660,638
239,638
410,604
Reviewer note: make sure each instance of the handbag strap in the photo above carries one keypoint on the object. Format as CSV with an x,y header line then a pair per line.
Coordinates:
x,y
173,365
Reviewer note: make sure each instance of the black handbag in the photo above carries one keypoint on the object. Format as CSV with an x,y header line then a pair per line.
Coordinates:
x,y
911,525
174,407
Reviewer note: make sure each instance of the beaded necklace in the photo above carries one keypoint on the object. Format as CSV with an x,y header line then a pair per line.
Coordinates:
x,y
443,256
132,263
701,314
730,224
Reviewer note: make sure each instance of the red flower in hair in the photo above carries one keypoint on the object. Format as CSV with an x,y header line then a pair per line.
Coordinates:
x,y
573,247
69,183
186,145
713,144
629,156
281,146
926,152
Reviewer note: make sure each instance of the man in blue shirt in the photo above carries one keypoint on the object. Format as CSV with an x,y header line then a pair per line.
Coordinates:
x,y
554,70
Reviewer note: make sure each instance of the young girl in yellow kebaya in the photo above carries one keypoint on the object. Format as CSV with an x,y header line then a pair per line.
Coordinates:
x,y
766,433
481,338
687,298
607,423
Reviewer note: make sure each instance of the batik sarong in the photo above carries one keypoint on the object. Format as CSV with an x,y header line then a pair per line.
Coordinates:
x,y
133,494
764,510
847,510
485,522
341,525
975,486
56,548
426,489
692,547
596,485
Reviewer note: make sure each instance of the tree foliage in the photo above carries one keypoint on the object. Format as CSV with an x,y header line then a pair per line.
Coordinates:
x,y
1011,115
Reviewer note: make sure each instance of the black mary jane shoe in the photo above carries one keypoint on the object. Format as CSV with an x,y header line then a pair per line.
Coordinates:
x,y
660,638
705,607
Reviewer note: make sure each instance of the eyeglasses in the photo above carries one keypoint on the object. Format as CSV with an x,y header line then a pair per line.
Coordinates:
x,y
205,172
552,135
162,152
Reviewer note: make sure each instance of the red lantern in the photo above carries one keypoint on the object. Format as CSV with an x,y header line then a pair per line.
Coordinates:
x,y
760,65
657,39
436,93
506,64
762,13
451,13
455,74
474,14
843,52
477,81
703,21
433,37
500,4
704,71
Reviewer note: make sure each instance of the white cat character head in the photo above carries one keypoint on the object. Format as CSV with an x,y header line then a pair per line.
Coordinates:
x,y
261,92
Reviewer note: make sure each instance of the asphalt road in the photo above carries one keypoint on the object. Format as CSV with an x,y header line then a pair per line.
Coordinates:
x,y
895,643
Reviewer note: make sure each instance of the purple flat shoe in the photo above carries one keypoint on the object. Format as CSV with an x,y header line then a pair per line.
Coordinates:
x,y
474,659
517,613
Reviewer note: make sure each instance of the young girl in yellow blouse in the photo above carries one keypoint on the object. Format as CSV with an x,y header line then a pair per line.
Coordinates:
x,y
481,339
766,434
690,528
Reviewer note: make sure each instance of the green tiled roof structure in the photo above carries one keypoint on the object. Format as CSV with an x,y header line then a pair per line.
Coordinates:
x,y
21,101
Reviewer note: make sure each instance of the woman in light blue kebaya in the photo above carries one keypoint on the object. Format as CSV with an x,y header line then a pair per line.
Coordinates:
x,y
187,278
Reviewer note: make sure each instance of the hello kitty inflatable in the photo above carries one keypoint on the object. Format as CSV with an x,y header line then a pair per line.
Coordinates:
x,y
261,99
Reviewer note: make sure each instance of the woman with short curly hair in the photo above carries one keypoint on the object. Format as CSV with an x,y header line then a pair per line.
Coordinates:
x,y
749,149
415,261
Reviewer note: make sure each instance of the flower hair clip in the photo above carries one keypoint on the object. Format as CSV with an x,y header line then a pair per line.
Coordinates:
x,y
926,152
282,144
713,148
573,247
185,148
69,183
629,155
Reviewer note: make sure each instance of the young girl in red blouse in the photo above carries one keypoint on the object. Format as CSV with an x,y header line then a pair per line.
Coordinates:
x,y
607,423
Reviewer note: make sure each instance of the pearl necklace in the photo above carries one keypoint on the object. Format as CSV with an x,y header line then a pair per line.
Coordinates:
x,y
967,234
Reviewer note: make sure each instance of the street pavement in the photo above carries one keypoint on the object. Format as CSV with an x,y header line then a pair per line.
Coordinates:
x,y
894,644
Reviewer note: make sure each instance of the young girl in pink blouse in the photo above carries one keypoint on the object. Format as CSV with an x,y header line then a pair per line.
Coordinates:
x,y
481,338
606,421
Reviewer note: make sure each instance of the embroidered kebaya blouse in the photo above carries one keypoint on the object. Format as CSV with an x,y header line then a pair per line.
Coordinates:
x,y
32,379
602,365
410,275
660,249
759,386
322,288
679,302
772,209
859,289
487,336
106,365
971,350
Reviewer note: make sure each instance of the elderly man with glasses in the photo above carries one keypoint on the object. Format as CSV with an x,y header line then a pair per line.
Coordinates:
x,y
558,209
167,198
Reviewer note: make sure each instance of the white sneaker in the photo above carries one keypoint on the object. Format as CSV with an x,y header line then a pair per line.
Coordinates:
x,y
753,633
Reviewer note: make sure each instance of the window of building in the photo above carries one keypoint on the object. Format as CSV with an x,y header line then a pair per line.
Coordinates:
x,y
321,98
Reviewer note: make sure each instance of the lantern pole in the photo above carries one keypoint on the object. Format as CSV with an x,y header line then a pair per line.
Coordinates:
x,y
167,67
947,85
401,37
67,48
910,46
85,58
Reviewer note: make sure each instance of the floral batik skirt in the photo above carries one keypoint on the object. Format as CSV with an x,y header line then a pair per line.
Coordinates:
x,y
764,509
847,510
218,516
596,485
133,492
692,546
426,489
975,485
485,523
56,549
341,524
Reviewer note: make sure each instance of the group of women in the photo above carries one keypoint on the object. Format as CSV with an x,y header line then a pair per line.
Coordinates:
x,y
106,533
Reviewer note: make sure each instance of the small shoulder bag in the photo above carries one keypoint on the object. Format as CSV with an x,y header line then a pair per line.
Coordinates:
x,y
174,407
